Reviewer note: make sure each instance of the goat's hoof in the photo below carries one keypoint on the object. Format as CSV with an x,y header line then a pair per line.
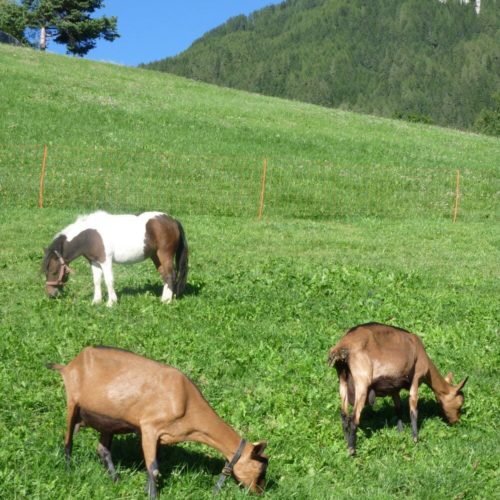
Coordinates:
x,y
352,452
151,490
415,439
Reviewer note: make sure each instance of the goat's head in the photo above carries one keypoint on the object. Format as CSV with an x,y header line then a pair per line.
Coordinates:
x,y
250,470
453,400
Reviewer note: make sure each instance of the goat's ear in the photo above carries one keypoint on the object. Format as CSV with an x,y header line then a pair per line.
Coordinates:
x,y
460,386
258,448
449,377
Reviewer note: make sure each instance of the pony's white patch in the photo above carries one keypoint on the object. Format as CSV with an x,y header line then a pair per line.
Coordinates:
x,y
123,236
167,294
97,275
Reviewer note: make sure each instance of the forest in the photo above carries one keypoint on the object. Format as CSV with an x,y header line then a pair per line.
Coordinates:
x,y
418,60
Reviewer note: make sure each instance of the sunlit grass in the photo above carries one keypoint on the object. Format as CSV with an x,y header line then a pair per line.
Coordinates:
x,y
356,227
253,331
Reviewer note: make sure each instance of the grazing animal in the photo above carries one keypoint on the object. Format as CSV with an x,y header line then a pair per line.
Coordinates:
x,y
103,238
116,391
379,360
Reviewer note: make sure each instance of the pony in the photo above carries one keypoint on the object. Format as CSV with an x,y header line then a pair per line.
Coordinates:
x,y
103,238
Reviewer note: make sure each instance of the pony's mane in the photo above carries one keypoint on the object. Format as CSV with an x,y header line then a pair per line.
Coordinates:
x,y
55,246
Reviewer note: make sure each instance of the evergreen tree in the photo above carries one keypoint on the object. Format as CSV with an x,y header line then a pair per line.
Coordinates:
x,y
69,23
420,60
13,19
488,121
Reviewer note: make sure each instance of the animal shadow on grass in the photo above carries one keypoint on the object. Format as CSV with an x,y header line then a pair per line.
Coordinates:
x,y
127,455
157,289
373,420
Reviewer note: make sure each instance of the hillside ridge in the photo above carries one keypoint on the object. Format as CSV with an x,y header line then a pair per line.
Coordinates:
x,y
420,60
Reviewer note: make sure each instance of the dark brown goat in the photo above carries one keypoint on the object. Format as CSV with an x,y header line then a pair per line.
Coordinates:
x,y
379,360
115,391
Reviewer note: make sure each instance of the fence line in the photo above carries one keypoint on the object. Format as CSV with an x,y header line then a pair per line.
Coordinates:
x,y
457,197
42,177
262,189
110,178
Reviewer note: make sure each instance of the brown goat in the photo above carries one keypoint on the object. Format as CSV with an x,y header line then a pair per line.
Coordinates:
x,y
379,360
116,391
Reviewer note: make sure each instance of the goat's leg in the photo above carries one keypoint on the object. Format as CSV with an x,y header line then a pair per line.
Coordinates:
x,y
72,417
345,424
413,410
149,449
104,451
97,277
399,410
361,392
344,402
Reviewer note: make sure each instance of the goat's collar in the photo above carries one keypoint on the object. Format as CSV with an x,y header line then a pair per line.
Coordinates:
x,y
227,470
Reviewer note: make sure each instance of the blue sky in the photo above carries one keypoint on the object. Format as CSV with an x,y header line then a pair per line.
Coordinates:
x,y
154,29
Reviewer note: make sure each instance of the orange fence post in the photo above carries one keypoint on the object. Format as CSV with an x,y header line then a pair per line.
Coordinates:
x,y
457,197
262,188
42,177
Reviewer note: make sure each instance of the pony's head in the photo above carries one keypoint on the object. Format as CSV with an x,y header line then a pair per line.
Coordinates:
x,y
55,268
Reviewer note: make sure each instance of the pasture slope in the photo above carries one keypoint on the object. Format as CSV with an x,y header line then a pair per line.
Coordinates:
x,y
266,299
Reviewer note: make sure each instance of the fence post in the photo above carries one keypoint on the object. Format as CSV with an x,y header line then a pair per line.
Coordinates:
x,y
42,177
262,188
457,197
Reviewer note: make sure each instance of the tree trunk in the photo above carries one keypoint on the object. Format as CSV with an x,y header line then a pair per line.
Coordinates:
x,y
43,38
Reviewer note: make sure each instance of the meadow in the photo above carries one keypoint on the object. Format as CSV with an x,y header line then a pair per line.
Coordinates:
x,y
357,227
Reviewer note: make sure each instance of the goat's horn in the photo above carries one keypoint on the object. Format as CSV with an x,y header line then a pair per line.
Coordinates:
x,y
460,386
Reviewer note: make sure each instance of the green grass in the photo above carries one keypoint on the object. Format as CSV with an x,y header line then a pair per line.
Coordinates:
x,y
265,299
143,138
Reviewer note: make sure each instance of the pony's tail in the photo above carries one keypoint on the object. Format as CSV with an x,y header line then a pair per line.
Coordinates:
x,y
181,261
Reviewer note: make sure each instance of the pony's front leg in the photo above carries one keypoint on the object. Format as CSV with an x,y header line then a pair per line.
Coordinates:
x,y
107,270
97,276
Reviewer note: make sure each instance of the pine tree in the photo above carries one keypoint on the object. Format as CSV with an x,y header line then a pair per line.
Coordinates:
x,y
13,19
69,23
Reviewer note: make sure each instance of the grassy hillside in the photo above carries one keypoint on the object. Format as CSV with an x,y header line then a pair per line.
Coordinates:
x,y
421,60
356,228
124,125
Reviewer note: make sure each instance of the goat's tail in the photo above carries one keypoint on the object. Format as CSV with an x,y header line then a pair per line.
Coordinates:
x,y
55,366
181,259
338,355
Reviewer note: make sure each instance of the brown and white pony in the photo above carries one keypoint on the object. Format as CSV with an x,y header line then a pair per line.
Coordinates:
x,y
103,238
